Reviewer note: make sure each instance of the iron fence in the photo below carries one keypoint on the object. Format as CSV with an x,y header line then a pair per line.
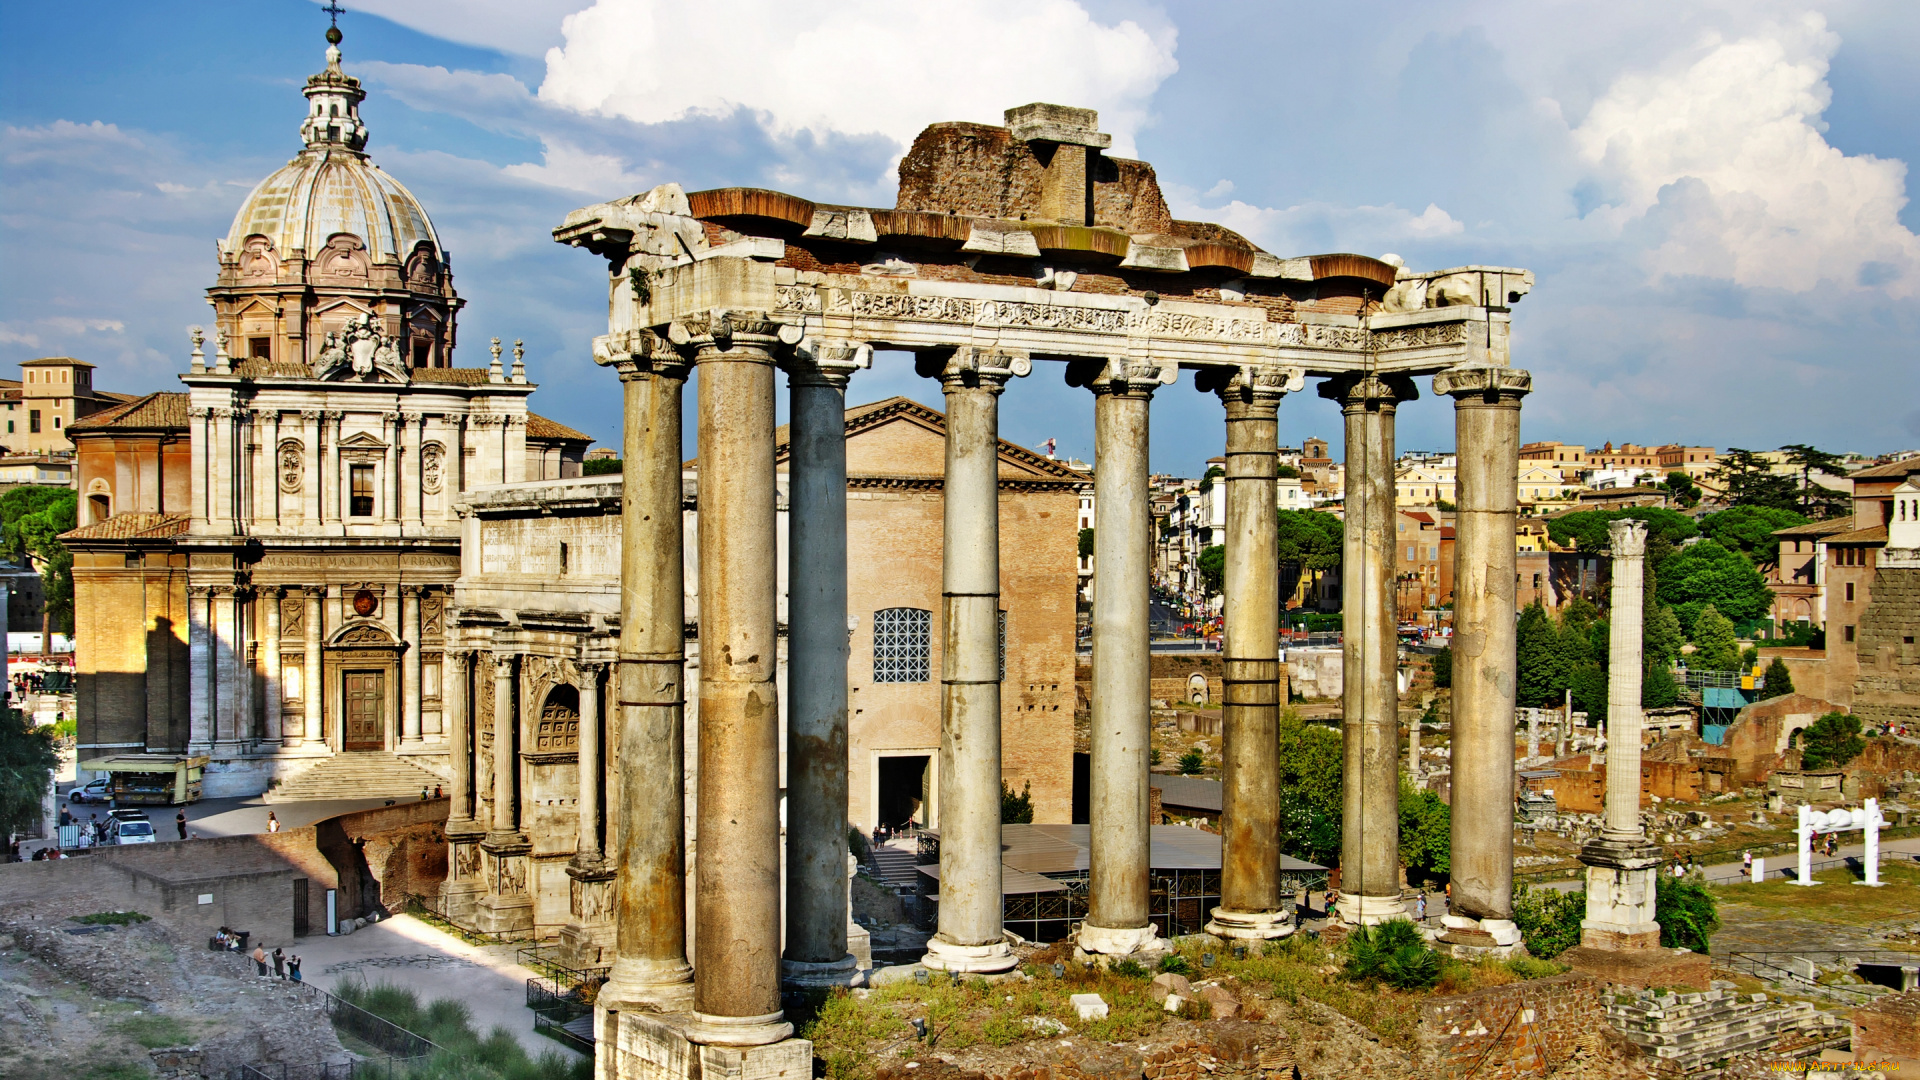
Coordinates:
x,y
401,1051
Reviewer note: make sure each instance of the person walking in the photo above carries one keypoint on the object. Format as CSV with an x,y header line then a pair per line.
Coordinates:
x,y
1746,863
293,968
279,962
273,823
180,823
260,958
1420,908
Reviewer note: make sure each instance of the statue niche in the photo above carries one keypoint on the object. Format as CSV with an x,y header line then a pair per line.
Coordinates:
x,y
559,725
361,353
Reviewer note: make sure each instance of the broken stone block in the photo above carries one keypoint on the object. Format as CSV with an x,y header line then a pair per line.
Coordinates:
x,y
1089,1006
1224,1004
1174,1001
1168,983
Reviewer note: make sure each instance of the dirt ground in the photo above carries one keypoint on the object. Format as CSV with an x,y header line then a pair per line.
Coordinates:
x,y
89,1002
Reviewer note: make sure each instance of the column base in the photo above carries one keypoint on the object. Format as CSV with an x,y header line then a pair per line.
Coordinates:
x,y
1466,938
1106,945
647,986
802,973
662,1047
1371,910
586,945
993,957
1595,934
1642,967
710,1030
1250,925
458,900
496,914
860,944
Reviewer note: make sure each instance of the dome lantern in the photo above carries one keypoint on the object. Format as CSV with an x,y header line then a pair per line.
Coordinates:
x,y
333,110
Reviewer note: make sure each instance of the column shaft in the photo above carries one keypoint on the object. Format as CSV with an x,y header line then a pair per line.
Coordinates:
x,y
586,851
505,823
270,656
736,879
1118,884
970,936
410,665
817,652
312,689
459,729
1487,448
1251,901
650,963
1628,601
1370,840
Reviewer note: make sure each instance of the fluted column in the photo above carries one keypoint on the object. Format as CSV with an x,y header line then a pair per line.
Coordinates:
x,y
1486,404
313,483
459,727
313,678
1624,648
970,936
1252,903
270,658
586,850
1370,837
650,969
504,826
816,932
736,967
1120,860
410,665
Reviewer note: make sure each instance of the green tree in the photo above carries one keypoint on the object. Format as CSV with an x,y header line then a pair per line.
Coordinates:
x,y
1016,809
1661,635
31,521
26,771
1311,540
1212,564
600,467
1206,482
1778,679
1681,489
1442,667
1086,543
1749,480
1193,762
1708,573
1587,529
1658,690
1749,530
1549,920
1287,472
1715,646
1426,831
1685,911
1537,641
1831,741
1816,501
1310,769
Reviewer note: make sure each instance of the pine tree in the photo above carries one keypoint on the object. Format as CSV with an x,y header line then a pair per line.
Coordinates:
x,y
1716,645
1657,688
1779,680
1538,645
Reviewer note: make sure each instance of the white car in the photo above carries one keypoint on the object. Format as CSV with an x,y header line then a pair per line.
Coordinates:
x,y
97,790
133,832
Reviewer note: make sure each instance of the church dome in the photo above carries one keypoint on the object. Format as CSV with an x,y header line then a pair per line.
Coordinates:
x,y
332,189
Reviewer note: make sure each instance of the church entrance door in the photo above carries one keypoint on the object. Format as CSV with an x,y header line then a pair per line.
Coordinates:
x,y
364,699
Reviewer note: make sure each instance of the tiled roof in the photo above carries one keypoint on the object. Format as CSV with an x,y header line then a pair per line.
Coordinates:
x,y
539,427
451,376
1817,528
861,417
131,526
164,410
257,368
1875,535
55,361
1891,470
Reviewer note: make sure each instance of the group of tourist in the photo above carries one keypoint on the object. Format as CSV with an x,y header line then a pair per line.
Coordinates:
x,y
284,966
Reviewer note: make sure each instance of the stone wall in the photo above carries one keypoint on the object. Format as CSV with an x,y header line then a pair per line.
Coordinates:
x,y
1888,1030
1887,688
1521,1029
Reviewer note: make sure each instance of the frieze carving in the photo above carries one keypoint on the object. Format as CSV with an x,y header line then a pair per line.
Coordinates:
x,y
1053,317
538,673
801,299
1415,337
365,635
905,306
293,467
1316,336
466,861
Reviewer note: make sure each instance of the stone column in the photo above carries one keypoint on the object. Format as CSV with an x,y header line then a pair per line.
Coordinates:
x,y
335,484
586,850
1370,723
311,499
507,905
737,818
463,884
816,932
313,678
1252,904
1117,925
589,931
200,665
650,969
970,936
410,666
1621,862
504,826
1487,446
270,658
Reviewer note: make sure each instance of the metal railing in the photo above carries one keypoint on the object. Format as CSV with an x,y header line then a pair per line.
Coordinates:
x,y
401,1050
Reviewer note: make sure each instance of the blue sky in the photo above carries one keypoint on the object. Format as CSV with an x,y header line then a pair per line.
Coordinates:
x,y
1714,196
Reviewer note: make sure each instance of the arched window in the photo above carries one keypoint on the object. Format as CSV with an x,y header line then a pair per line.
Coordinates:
x,y
902,645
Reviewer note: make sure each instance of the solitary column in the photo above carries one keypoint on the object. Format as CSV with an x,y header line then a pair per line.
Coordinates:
x,y
1486,404
410,666
970,936
816,951
1370,722
1252,904
312,678
737,877
270,658
650,969
1624,617
1119,860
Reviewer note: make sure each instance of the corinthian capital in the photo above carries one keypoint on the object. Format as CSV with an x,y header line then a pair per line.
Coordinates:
x,y
1484,380
1122,376
1260,386
640,354
1627,538
826,363
970,367
1369,390
724,329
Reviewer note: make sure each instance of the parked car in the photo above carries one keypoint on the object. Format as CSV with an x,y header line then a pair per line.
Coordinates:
x,y
99,789
129,813
133,832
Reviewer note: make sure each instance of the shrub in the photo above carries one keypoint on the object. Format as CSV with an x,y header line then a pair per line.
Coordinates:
x,y
1128,969
1549,919
110,918
1016,809
1192,761
1174,964
1831,741
1394,953
1686,912
1779,680
1443,668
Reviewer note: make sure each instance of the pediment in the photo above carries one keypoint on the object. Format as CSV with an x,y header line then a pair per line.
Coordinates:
x,y
361,440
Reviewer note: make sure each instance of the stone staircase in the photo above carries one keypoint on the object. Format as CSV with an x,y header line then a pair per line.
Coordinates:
x,y
367,774
894,867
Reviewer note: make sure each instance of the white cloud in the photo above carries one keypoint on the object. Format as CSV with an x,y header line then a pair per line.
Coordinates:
x,y
859,67
1725,157
516,27
1318,228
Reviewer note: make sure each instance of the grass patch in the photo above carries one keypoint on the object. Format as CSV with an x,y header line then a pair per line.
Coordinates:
x,y
449,1024
117,1070
110,918
1835,899
153,1030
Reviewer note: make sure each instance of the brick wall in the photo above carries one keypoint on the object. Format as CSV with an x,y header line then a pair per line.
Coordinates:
x,y
1887,688
1521,1029
1889,1030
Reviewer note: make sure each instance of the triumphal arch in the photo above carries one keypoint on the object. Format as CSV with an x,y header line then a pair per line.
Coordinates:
x,y
1014,252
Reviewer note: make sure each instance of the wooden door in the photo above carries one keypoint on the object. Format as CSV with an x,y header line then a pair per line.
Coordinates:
x,y
365,701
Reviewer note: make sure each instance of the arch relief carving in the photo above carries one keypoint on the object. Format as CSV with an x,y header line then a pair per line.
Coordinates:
x,y
343,257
